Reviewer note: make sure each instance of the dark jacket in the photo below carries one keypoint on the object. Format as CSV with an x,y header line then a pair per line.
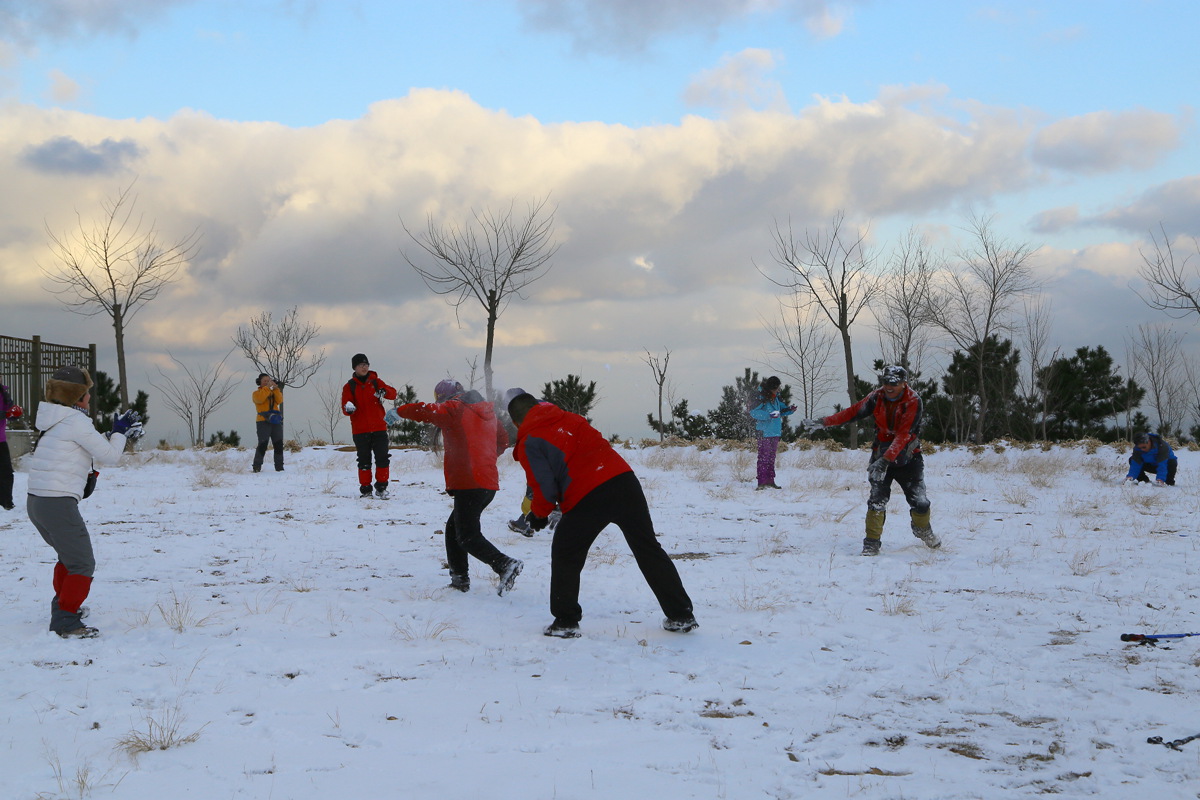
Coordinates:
x,y
564,457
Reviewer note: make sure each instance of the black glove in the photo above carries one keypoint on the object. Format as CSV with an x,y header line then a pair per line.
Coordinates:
x,y
538,523
878,470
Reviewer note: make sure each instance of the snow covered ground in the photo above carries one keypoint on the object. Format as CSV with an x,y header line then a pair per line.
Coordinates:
x,y
283,639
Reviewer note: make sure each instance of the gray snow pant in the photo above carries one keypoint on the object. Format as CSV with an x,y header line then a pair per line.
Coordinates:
x,y
59,522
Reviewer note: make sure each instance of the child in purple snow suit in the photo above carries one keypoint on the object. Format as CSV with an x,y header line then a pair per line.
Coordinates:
x,y
768,412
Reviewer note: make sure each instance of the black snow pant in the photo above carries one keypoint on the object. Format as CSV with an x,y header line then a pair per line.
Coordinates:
x,y
268,434
1150,472
373,443
464,533
6,476
619,501
910,477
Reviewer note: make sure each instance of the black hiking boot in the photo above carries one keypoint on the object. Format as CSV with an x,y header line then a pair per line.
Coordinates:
x,y
680,625
460,582
508,575
870,547
562,630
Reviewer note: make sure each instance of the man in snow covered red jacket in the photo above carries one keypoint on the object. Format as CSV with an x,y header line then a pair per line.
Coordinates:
x,y
895,454
569,464
362,402
473,439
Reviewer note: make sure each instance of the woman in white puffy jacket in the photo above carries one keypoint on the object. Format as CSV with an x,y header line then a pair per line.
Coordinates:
x,y
67,449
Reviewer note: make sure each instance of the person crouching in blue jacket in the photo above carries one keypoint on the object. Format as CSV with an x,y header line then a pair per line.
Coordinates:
x,y
768,412
1152,453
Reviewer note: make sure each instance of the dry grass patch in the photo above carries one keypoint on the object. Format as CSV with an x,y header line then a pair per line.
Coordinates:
x,y
161,731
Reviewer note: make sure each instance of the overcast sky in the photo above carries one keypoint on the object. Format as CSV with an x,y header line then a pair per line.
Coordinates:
x,y
670,135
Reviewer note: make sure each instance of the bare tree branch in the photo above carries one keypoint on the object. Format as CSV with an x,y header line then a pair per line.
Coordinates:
x,y
836,270
658,366
1158,364
198,395
488,260
115,266
280,349
976,300
903,316
805,345
1171,286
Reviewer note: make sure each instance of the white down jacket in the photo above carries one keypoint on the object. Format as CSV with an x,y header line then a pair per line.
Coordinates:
x,y
68,447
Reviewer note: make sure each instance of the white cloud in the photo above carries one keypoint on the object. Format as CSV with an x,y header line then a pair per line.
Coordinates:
x,y
1055,219
1174,205
63,89
1104,140
740,82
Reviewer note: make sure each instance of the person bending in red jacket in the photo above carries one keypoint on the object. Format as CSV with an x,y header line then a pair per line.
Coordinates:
x,y
362,402
895,454
474,439
569,464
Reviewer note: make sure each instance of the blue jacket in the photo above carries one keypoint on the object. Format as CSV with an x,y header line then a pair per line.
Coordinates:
x,y
1157,458
766,425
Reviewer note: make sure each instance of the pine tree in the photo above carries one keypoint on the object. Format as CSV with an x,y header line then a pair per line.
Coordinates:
x,y
408,431
571,395
731,419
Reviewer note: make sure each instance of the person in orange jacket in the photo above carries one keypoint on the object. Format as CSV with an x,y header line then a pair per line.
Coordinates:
x,y
571,466
474,439
268,421
362,402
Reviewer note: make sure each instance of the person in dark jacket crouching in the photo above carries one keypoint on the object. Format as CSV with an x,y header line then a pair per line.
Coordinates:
x,y
570,465
60,470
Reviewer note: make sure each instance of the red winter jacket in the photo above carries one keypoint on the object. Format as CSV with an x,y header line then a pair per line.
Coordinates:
x,y
473,437
564,457
368,409
897,423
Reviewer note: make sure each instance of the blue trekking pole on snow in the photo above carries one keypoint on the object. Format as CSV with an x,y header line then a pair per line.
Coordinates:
x,y
1153,637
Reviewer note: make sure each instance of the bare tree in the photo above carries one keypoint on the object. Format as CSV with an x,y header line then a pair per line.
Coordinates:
x,y
198,395
1035,335
1172,287
902,316
280,348
489,260
330,392
803,347
1158,364
976,300
835,269
115,266
658,366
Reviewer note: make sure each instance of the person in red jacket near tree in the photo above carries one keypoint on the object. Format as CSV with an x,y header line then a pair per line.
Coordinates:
x,y
570,465
362,402
895,454
473,439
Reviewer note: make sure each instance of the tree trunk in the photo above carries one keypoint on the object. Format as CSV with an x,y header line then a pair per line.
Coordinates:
x,y
118,318
983,400
493,315
844,327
